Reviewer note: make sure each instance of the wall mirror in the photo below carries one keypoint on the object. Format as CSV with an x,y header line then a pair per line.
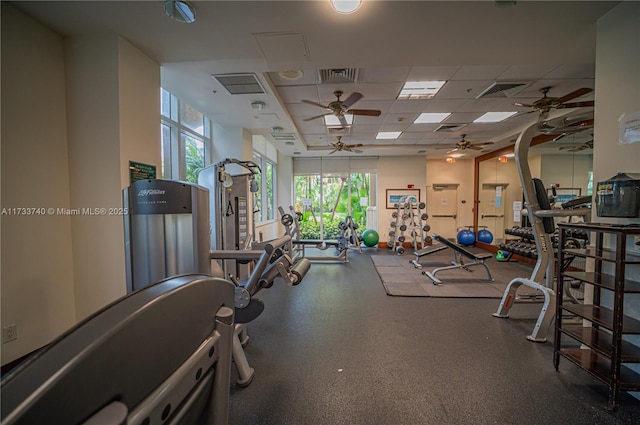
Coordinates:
x,y
562,160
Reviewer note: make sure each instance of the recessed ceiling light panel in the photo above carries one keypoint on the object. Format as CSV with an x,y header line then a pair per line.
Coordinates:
x,y
431,117
420,89
388,134
491,117
332,120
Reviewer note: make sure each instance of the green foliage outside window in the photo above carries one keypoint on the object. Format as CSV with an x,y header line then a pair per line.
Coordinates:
x,y
337,203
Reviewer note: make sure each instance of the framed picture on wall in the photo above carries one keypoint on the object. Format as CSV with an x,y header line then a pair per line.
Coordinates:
x,y
395,196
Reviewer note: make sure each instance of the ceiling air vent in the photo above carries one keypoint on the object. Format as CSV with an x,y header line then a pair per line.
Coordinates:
x,y
240,83
449,128
338,75
283,136
498,89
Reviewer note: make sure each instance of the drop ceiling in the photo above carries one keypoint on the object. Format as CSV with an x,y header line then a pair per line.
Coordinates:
x,y
285,45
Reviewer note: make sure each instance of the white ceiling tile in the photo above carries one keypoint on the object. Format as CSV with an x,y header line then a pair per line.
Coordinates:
x,y
428,73
384,75
526,72
573,71
479,72
466,89
410,105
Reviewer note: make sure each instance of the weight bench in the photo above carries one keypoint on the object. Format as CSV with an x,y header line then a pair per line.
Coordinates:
x,y
458,260
425,251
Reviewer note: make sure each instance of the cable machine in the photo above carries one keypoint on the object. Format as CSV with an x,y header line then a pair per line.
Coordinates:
x,y
540,214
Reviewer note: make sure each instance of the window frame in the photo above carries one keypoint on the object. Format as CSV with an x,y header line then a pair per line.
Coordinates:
x,y
267,203
174,161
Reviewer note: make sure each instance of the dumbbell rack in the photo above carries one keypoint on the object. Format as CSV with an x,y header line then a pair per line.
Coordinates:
x,y
526,246
410,219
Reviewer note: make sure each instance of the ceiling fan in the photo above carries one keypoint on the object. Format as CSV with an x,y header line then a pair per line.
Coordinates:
x,y
464,144
578,148
340,107
584,137
341,146
546,103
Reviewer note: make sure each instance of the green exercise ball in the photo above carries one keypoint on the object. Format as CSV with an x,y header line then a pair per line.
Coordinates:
x,y
370,237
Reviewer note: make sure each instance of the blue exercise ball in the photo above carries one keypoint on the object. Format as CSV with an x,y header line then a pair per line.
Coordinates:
x,y
370,237
485,236
466,237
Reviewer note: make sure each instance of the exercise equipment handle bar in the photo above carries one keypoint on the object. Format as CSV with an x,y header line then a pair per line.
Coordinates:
x,y
444,215
491,215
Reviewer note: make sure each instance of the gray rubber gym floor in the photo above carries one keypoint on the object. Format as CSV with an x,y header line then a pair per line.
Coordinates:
x,y
338,350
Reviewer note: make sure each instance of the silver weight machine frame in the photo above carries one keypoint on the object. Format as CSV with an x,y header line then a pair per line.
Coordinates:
x,y
292,228
545,263
231,209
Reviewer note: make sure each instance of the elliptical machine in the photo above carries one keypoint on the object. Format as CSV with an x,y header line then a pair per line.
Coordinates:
x,y
541,215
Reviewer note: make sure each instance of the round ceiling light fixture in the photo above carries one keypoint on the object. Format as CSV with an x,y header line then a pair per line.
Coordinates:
x,y
291,74
180,10
346,6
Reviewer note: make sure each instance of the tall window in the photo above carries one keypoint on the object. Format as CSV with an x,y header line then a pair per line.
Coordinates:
x,y
186,139
265,197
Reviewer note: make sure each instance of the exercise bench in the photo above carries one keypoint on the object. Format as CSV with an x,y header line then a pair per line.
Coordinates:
x,y
458,260
425,251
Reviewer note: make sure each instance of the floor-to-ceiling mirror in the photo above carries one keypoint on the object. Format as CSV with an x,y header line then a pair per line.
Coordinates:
x,y
563,161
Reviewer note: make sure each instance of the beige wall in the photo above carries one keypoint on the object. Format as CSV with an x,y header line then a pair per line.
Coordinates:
x,y
396,173
37,262
76,110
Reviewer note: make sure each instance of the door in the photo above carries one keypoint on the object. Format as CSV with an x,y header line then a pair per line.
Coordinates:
x,y
442,208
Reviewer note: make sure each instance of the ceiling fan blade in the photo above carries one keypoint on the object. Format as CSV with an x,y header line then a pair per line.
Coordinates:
x,y
585,104
333,151
311,102
317,116
573,95
343,121
353,98
474,147
368,112
452,150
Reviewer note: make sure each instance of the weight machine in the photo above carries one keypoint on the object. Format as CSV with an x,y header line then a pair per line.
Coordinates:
x,y
291,222
541,215
166,234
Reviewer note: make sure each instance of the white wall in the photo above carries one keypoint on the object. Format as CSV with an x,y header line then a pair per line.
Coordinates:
x,y
37,267
617,93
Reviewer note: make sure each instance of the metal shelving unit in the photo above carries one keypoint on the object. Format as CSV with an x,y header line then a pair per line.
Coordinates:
x,y
599,345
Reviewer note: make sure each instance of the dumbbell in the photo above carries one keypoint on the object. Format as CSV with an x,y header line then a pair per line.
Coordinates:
x,y
426,228
401,238
400,250
424,216
422,205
